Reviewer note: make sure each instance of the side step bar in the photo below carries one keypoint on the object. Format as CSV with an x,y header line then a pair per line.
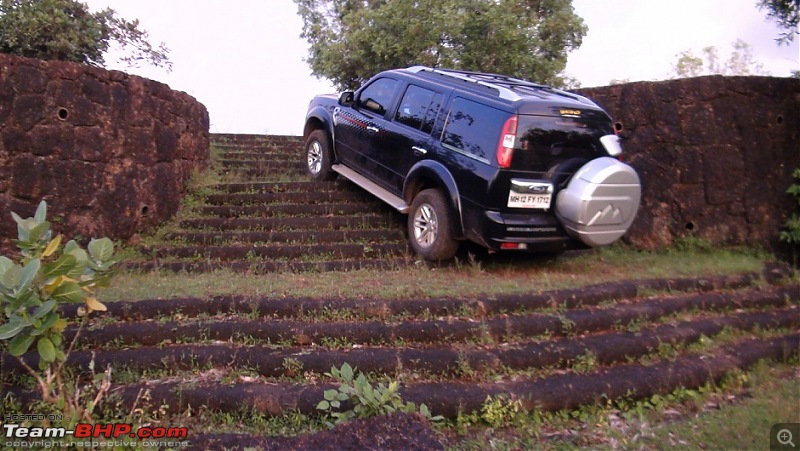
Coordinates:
x,y
378,191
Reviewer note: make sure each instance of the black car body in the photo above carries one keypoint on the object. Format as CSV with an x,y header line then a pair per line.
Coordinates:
x,y
503,162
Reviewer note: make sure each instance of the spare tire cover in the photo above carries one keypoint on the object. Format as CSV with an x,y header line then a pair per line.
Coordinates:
x,y
600,202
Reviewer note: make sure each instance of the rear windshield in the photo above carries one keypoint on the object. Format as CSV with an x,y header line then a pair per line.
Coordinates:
x,y
543,141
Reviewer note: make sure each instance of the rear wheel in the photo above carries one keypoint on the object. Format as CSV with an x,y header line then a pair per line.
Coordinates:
x,y
430,228
319,156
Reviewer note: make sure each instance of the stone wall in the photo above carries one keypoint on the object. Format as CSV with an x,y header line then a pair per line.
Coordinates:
x,y
111,153
715,155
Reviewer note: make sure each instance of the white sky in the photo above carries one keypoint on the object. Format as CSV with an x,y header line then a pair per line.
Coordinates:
x,y
243,59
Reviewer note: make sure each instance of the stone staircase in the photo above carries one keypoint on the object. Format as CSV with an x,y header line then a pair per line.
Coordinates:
x,y
266,215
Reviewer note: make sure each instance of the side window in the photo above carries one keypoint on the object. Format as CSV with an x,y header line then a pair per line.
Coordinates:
x,y
473,128
378,95
418,108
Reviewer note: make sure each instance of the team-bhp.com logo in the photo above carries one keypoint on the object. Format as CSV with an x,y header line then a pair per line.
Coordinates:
x,y
94,431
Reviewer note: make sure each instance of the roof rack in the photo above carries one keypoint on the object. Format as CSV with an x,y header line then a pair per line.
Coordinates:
x,y
502,91
506,86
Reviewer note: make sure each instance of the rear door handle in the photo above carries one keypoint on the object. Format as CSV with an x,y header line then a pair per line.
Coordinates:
x,y
419,151
372,129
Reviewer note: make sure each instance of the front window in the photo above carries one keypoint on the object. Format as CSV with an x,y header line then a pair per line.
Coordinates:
x,y
378,96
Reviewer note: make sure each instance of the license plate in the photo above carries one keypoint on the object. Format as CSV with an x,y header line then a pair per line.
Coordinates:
x,y
519,200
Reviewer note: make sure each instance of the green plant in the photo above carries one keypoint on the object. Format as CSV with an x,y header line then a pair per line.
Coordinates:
x,y
367,400
791,232
502,412
585,363
292,367
31,291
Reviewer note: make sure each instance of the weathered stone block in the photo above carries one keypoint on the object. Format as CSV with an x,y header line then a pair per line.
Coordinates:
x,y
97,145
715,155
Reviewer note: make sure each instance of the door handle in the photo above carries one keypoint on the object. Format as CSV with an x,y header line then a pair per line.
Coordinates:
x,y
372,129
419,151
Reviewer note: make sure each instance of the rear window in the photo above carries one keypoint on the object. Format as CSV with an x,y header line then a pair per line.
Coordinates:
x,y
544,140
473,129
418,108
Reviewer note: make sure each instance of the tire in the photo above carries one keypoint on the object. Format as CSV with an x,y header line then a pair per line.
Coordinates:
x,y
319,156
430,230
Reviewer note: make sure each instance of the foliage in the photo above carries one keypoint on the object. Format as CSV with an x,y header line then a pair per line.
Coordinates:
x,y
791,232
787,14
33,289
740,62
502,412
367,401
351,40
66,30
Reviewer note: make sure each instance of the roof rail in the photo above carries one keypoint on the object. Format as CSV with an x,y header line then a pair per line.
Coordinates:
x,y
503,92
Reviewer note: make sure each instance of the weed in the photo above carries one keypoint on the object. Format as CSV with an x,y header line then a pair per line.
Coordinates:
x,y
585,363
292,367
367,400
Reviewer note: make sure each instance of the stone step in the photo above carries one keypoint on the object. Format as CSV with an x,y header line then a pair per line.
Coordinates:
x,y
293,197
278,187
311,252
266,211
226,139
264,165
265,155
295,237
367,220
266,267
272,217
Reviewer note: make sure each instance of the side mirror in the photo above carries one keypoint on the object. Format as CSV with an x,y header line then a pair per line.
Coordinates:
x,y
346,98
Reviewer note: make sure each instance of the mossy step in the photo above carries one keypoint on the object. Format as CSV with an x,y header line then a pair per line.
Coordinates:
x,y
248,139
278,187
263,164
266,154
299,236
266,267
295,197
267,173
339,209
311,251
365,221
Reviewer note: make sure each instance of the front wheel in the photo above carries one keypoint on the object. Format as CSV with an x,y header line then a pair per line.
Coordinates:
x,y
319,156
430,228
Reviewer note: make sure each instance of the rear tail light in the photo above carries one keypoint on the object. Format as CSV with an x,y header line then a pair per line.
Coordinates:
x,y
514,246
505,148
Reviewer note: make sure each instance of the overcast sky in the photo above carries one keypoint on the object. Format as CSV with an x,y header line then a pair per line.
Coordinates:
x,y
243,59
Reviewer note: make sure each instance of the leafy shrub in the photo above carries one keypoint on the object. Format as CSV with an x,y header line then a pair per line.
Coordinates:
x,y
791,232
31,292
367,401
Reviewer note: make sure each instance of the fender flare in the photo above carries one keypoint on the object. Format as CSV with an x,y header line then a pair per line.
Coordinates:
x,y
319,118
438,173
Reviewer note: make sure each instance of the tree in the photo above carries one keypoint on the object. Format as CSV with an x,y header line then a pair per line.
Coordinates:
x,y
66,30
787,14
351,40
740,62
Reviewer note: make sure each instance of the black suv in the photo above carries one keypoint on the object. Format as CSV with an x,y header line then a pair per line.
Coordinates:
x,y
503,162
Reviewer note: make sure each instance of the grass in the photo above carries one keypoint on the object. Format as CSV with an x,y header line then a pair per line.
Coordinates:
x,y
486,277
773,398
736,414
